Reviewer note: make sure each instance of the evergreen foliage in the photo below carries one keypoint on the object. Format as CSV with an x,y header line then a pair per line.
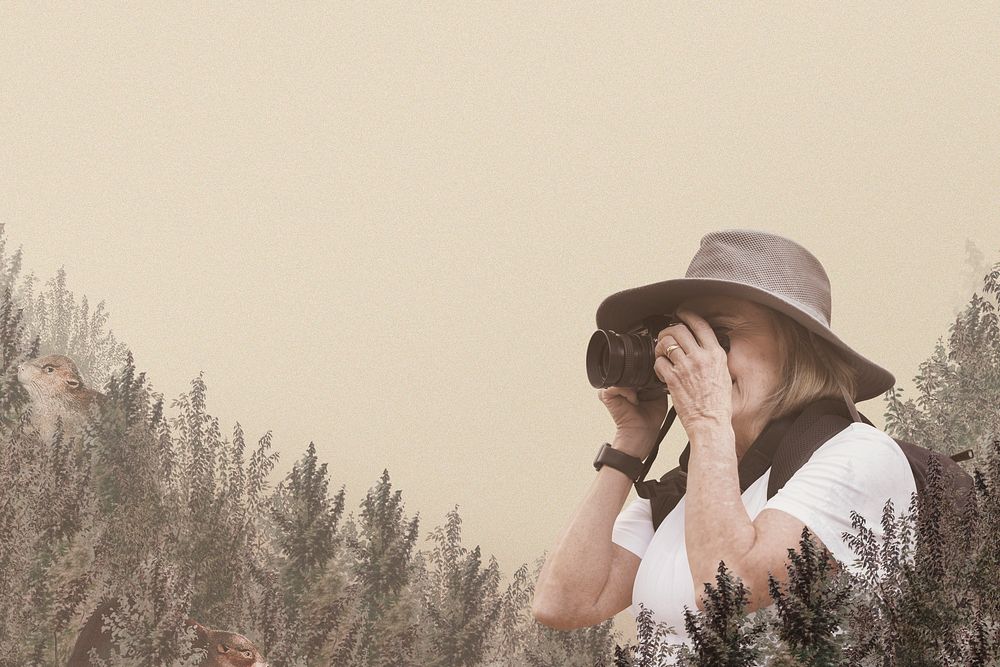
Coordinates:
x,y
652,648
305,521
64,326
170,518
808,608
959,386
461,603
723,635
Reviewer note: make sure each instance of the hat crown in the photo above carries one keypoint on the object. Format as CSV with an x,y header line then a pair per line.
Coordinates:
x,y
757,266
765,261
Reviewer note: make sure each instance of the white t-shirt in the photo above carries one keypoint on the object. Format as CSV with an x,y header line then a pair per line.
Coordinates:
x,y
857,469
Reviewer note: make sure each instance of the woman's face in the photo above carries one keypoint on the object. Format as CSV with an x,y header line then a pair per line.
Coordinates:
x,y
754,359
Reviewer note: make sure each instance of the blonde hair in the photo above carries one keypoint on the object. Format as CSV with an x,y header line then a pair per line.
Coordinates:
x,y
812,368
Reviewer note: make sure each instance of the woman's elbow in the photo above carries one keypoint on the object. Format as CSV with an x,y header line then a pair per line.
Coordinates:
x,y
554,620
562,616
544,618
547,614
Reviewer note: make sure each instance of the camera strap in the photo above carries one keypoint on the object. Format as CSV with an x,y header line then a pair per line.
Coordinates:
x,y
672,481
758,458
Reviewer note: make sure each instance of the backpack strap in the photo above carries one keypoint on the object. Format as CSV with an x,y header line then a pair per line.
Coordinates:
x,y
819,422
785,444
790,457
668,491
850,406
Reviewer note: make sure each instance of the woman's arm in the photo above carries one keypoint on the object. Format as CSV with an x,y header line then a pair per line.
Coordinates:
x,y
716,524
587,578
856,470
718,527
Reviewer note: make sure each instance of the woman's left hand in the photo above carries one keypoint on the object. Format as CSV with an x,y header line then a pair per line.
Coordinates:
x,y
697,373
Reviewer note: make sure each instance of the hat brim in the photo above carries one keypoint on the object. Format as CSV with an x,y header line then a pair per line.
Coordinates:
x,y
624,310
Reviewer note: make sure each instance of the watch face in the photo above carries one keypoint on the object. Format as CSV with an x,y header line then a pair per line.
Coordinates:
x,y
597,459
626,463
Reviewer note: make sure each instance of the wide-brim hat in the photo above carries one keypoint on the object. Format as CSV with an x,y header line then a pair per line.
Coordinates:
x,y
758,266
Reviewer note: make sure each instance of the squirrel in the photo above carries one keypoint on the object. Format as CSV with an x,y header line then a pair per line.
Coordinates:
x,y
56,389
225,649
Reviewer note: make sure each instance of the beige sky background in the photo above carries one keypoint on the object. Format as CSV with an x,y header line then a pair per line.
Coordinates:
x,y
387,228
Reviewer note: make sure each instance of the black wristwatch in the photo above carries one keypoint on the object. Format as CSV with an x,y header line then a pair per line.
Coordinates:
x,y
619,460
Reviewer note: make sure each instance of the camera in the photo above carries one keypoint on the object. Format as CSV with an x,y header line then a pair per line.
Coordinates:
x,y
626,359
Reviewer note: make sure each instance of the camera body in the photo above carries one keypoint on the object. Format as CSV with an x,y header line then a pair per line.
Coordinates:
x,y
626,359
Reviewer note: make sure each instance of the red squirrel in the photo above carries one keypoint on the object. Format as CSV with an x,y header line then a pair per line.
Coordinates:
x,y
225,649
56,389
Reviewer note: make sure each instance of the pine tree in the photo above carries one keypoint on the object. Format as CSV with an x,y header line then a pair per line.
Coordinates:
x,y
506,644
147,620
909,611
65,326
583,647
13,337
19,535
306,518
984,542
13,397
873,615
126,472
808,608
461,601
205,524
652,649
721,635
921,610
383,566
959,386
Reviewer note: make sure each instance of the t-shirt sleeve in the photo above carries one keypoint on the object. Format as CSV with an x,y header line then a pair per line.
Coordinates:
x,y
633,528
858,469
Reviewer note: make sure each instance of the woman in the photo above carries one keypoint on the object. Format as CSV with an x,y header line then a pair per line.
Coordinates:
x,y
772,298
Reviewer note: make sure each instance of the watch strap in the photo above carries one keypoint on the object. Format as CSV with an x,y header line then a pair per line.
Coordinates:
x,y
635,469
619,460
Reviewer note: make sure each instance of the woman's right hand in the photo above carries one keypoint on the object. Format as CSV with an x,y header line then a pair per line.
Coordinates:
x,y
638,421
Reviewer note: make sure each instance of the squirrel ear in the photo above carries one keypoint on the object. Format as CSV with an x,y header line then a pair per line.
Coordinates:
x,y
202,640
198,627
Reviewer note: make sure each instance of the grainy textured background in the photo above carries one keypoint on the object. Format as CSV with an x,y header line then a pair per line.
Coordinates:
x,y
386,229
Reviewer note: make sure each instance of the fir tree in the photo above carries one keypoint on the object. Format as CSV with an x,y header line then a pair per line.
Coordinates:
x,y
808,608
652,649
306,538
306,518
383,566
959,386
721,635
507,643
461,601
12,395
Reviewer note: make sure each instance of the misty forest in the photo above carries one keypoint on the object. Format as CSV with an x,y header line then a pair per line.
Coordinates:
x,y
150,505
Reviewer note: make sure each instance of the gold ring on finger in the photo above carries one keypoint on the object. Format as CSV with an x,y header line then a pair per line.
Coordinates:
x,y
670,348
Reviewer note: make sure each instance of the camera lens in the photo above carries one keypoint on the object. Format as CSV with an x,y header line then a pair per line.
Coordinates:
x,y
626,360
622,360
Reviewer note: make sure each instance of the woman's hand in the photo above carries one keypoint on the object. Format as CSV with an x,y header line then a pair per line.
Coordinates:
x,y
638,421
696,373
